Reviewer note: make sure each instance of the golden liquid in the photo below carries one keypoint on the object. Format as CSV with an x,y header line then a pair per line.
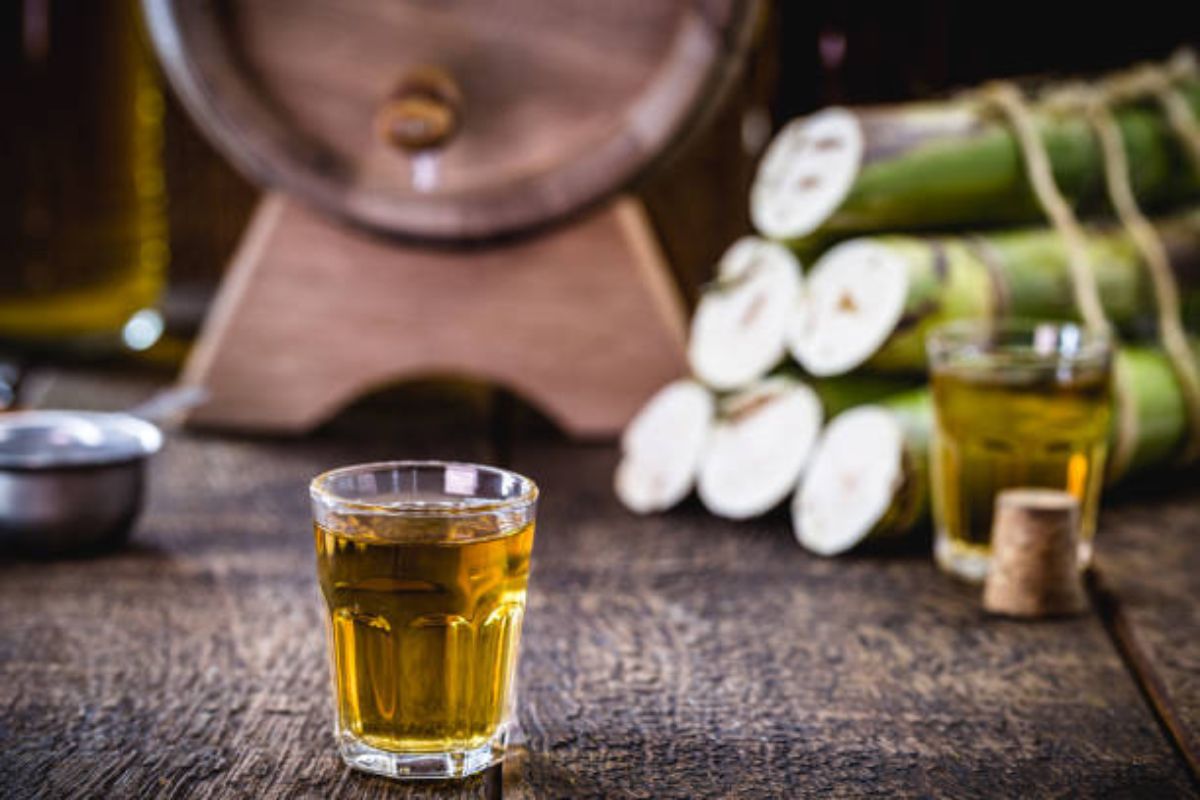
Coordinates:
x,y
83,235
424,636
995,432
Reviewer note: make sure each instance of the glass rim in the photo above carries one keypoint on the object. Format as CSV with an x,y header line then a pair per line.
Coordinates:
x,y
958,335
320,491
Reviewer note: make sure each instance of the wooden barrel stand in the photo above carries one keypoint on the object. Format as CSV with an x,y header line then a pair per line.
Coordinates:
x,y
584,321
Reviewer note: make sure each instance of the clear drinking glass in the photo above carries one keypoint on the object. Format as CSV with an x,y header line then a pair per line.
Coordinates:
x,y
423,568
1015,404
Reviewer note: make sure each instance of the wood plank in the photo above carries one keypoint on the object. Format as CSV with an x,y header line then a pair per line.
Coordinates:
x,y
511,315
675,656
685,656
192,663
1149,565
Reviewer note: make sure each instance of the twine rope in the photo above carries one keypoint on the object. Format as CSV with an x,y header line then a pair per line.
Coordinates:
x,y
1007,98
1095,102
1151,80
1154,254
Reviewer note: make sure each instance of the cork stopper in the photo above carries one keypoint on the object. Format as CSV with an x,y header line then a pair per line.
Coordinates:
x,y
1035,550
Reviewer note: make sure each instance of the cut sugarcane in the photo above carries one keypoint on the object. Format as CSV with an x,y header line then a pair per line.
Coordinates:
x,y
853,490
853,481
759,448
806,173
853,304
872,300
866,477
936,164
738,329
663,446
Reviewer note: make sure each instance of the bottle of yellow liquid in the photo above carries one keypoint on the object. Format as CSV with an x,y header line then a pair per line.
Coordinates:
x,y
83,232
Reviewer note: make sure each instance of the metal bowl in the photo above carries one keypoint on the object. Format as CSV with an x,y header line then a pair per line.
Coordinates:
x,y
71,481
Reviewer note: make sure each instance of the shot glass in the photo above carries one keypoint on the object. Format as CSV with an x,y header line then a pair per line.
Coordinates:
x,y
1016,404
423,568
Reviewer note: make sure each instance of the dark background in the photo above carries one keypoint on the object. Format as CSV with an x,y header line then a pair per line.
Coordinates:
x,y
901,50
697,200
889,52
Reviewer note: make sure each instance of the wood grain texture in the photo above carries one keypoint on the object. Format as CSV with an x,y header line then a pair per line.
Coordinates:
x,y
684,656
1149,564
674,656
583,321
193,662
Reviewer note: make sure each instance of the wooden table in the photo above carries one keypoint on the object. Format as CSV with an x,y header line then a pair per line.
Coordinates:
x,y
670,656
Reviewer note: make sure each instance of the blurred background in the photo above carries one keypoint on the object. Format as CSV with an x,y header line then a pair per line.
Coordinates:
x,y
118,218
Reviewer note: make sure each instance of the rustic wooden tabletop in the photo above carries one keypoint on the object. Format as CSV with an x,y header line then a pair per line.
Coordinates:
x,y
670,656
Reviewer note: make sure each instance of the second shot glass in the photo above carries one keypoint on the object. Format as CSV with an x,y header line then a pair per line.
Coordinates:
x,y
1016,404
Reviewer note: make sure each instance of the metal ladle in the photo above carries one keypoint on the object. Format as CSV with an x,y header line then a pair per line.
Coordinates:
x,y
73,481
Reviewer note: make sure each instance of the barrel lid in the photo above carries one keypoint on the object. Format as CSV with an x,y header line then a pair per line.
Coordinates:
x,y
553,106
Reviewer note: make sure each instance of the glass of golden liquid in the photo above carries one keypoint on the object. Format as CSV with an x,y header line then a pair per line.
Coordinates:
x,y
423,568
1016,404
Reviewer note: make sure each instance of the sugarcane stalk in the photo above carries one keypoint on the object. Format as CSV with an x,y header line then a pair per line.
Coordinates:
x,y
759,447
913,412
744,452
867,476
896,431
765,434
949,163
1159,410
662,447
872,300
738,333
844,392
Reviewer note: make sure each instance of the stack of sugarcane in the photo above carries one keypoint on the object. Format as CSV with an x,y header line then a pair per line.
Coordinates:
x,y
808,384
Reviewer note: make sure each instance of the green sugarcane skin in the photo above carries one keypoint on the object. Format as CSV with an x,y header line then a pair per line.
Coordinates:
x,y
1160,409
1035,272
938,165
844,392
1024,273
914,411
847,391
945,281
1161,428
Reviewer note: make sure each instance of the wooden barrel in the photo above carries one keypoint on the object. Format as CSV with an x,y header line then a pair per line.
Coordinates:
x,y
452,120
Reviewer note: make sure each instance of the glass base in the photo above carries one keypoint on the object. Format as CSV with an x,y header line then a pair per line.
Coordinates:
x,y
423,766
962,561
970,563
